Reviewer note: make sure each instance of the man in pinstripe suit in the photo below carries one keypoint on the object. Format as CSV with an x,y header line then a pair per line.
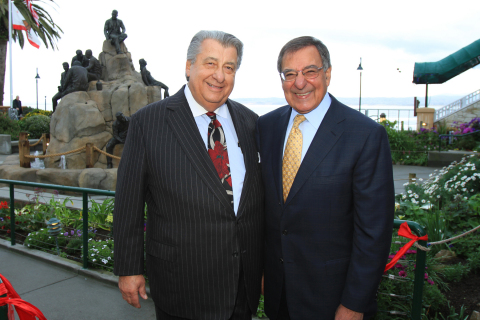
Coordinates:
x,y
204,233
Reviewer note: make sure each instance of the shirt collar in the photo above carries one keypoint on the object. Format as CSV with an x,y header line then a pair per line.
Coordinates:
x,y
316,116
198,110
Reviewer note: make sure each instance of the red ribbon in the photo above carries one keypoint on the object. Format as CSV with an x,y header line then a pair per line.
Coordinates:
x,y
25,310
405,232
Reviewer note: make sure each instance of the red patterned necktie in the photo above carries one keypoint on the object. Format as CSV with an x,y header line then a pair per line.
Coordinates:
x,y
217,150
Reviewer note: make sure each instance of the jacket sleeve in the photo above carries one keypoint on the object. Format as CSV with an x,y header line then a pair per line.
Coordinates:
x,y
373,194
128,215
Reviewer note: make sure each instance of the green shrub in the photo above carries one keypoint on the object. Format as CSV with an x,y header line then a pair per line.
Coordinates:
x,y
100,253
455,272
474,262
35,112
41,240
9,126
36,125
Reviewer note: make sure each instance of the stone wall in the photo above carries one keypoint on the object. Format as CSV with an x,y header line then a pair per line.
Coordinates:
x,y
463,115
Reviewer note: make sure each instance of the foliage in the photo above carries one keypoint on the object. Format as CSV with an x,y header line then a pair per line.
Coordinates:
x,y
41,240
9,126
261,308
467,245
100,253
100,214
35,112
35,126
474,262
453,314
455,272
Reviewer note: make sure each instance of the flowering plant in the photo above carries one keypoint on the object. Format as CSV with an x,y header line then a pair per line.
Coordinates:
x,y
100,253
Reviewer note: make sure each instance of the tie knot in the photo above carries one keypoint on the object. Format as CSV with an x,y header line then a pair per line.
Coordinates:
x,y
299,118
212,115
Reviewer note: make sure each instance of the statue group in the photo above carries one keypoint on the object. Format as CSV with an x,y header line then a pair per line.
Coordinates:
x,y
86,68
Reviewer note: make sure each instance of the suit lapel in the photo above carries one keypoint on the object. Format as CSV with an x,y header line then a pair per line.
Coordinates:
x,y
280,131
326,137
183,125
248,151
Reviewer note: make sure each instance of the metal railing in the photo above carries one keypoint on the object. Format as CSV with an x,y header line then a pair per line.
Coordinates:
x,y
415,227
451,135
400,115
457,105
420,261
84,191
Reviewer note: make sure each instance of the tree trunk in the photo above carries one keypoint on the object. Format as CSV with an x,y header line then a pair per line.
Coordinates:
x,y
3,68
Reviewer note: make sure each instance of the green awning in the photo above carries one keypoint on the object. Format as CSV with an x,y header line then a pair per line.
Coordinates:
x,y
449,67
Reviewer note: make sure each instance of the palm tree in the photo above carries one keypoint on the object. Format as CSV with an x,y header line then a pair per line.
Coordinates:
x,y
48,31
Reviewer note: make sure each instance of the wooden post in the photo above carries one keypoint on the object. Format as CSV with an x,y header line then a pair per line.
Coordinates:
x,y
412,177
402,126
45,143
89,155
23,150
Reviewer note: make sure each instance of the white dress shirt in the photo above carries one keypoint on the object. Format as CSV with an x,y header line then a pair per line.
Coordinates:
x,y
235,156
310,126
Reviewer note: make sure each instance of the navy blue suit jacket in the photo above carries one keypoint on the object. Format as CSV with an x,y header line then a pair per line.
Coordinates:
x,y
330,240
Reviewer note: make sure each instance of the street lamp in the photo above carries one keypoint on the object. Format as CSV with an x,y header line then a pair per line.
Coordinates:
x,y
360,98
36,79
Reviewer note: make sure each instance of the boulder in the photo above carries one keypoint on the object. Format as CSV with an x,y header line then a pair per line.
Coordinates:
x,y
75,160
137,97
68,177
475,315
110,182
76,116
18,173
102,160
91,178
120,101
154,94
445,255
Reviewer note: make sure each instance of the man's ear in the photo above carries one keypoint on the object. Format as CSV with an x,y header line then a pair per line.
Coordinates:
x,y
328,75
187,68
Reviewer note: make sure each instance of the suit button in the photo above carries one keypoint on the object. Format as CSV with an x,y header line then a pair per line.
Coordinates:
x,y
281,260
285,232
235,254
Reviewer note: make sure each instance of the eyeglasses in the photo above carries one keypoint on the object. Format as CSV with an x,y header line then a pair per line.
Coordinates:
x,y
309,73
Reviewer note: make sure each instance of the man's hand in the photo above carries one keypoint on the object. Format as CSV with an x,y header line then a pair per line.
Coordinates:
x,y
343,313
131,287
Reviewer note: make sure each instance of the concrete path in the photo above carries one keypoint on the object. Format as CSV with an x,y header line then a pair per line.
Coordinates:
x,y
62,290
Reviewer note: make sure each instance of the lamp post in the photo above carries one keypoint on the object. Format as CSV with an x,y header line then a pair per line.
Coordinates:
x,y
36,79
45,103
360,98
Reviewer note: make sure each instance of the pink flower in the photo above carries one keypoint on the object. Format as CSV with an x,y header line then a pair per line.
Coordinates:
x,y
411,251
399,266
426,276
402,274
431,281
391,256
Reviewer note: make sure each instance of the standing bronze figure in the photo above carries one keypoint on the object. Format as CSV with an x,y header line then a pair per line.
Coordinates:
x,y
120,129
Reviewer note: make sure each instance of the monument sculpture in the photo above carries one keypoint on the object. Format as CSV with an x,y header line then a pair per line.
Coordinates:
x,y
114,31
81,58
94,69
61,87
149,80
76,79
120,130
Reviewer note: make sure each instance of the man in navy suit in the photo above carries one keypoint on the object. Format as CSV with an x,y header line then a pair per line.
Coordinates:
x,y
328,181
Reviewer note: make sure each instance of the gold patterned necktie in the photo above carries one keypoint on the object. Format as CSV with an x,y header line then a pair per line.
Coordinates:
x,y
292,156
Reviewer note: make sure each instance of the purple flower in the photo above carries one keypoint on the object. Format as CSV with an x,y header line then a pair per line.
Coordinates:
x,y
402,274
72,232
411,251
399,266
55,192
66,234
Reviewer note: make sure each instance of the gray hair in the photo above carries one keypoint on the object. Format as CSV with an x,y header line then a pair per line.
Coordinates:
x,y
227,40
299,43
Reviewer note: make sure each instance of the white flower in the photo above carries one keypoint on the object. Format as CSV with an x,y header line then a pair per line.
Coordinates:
x,y
416,196
109,258
93,254
420,179
404,196
409,191
104,261
438,196
472,190
94,260
423,201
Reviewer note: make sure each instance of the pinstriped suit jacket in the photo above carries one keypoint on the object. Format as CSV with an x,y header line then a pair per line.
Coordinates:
x,y
194,242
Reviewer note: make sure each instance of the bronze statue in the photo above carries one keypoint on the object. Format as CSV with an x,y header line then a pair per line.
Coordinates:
x,y
76,79
115,31
61,87
120,130
80,57
94,68
149,80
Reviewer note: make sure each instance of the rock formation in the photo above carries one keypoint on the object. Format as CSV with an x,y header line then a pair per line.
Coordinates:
x,y
87,117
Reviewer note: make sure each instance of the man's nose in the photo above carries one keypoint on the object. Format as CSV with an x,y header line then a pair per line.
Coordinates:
x,y
219,75
300,81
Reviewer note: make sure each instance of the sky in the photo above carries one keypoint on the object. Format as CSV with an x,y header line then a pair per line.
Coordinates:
x,y
387,35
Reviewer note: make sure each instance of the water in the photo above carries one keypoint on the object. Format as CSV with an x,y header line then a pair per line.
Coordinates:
x,y
37,164
63,163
